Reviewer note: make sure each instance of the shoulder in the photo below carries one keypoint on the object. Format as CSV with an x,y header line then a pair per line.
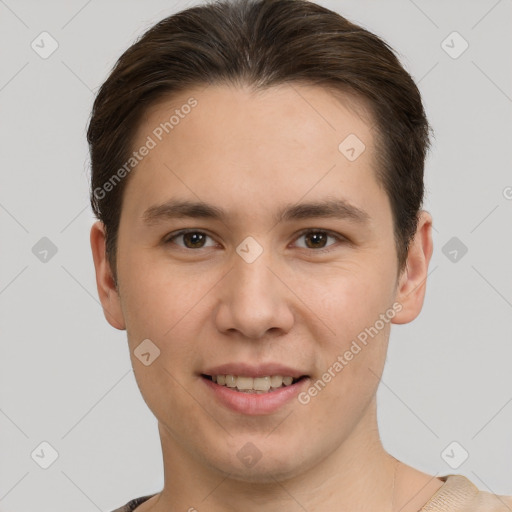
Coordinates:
x,y
460,494
489,502
133,504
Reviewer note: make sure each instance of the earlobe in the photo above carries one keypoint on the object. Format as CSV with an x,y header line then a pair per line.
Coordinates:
x,y
107,291
413,280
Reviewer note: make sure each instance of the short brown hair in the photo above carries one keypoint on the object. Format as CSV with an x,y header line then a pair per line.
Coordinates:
x,y
262,43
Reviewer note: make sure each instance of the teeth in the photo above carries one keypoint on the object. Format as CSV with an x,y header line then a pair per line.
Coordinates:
x,y
253,385
261,383
287,380
230,381
243,383
276,381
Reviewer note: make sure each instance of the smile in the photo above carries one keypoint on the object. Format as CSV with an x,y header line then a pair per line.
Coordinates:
x,y
256,385
241,395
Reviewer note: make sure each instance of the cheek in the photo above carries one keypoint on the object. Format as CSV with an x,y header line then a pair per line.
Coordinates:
x,y
169,308
351,302
354,346
159,296
352,359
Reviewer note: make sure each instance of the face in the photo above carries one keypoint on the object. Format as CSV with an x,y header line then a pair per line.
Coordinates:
x,y
264,282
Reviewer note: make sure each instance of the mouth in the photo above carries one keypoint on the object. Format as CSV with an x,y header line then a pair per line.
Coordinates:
x,y
254,385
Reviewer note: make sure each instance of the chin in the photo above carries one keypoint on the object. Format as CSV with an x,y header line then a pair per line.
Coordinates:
x,y
265,474
265,467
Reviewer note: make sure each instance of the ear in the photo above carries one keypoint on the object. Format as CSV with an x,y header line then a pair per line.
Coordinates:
x,y
107,290
413,280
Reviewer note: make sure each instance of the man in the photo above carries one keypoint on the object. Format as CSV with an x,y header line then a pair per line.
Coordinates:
x,y
257,173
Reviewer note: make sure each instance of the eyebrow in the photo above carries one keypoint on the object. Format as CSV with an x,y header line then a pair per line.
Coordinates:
x,y
328,208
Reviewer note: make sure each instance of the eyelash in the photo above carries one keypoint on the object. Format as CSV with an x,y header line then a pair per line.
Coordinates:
x,y
338,237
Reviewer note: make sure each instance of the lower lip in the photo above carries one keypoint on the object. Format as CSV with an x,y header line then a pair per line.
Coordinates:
x,y
255,403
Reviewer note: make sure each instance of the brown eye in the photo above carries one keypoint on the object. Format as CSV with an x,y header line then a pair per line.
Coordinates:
x,y
194,240
317,239
191,239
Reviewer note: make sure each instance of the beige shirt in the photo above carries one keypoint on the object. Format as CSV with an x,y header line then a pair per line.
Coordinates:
x,y
457,494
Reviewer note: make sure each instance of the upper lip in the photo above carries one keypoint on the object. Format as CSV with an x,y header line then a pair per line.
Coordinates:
x,y
250,370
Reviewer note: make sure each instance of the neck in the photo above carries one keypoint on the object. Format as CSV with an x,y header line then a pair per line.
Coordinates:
x,y
356,475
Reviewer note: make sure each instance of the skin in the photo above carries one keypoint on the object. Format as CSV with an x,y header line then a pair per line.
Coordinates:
x,y
251,153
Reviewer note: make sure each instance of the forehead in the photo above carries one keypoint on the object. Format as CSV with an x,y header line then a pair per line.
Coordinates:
x,y
304,110
252,147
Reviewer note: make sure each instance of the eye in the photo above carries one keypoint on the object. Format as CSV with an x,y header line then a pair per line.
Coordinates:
x,y
191,239
317,239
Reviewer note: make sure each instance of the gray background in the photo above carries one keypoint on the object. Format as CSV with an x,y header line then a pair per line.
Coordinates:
x,y
65,374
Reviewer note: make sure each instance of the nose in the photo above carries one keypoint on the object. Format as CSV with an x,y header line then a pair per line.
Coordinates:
x,y
254,300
